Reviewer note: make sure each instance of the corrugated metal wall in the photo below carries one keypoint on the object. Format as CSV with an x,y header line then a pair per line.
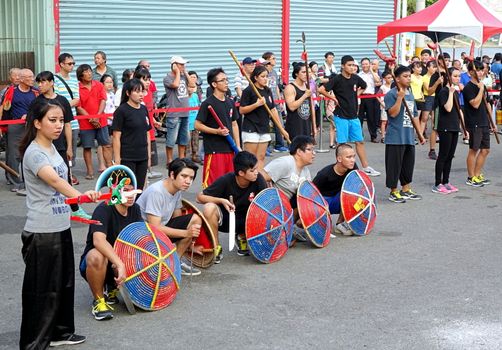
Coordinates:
x,y
28,25
343,26
200,31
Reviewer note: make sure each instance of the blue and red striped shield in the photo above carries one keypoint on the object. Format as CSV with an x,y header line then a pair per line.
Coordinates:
x,y
358,202
269,225
314,214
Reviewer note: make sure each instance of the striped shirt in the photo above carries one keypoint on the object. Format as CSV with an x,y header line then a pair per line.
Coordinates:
x,y
60,89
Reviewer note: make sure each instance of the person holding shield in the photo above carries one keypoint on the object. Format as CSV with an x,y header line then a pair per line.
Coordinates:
x,y
329,181
242,185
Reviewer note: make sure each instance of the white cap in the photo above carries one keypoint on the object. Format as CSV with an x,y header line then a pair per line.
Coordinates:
x,y
178,59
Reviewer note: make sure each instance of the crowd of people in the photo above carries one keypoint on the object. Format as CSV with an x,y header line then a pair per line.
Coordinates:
x,y
236,129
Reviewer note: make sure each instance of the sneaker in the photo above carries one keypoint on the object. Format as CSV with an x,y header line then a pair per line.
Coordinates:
x,y
281,149
299,234
481,178
440,189
21,192
219,254
187,271
451,188
466,141
153,174
242,247
344,229
101,310
370,171
432,155
473,181
73,339
81,214
74,180
111,297
410,195
396,197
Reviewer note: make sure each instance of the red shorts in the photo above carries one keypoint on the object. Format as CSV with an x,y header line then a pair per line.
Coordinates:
x,y
216,165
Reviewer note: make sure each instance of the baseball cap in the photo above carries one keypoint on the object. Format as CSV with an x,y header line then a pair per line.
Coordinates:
x,y
248,60
263,61
178,59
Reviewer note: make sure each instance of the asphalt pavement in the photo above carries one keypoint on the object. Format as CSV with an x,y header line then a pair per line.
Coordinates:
x,y
427,277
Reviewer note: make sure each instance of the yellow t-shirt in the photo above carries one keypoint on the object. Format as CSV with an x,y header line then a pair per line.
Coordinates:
x,y
427,80
416,87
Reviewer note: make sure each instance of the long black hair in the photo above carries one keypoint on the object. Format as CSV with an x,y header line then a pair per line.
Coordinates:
x,y
131,85
37,112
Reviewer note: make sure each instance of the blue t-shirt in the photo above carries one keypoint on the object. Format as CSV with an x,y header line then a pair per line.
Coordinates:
x,y
496,68
21,103
400,128
464,79
193,101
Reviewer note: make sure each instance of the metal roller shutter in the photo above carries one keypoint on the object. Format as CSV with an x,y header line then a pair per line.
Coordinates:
x,y
343,26
200,31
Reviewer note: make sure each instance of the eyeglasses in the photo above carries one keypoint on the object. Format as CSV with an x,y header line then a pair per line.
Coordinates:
x,y
310,149
224,80
70,63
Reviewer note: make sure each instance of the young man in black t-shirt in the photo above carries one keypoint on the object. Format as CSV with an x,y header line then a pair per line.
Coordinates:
x,y
476,116
329,181
99,264
243,185
346,88
218,153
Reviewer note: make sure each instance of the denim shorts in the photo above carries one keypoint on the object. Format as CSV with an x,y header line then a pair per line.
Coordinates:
x,y
177,131
87,137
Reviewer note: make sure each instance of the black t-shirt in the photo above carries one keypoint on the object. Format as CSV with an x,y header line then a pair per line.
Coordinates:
x,y
447,121
60,142
474,117
257,120
226,186
227,113
328,182
112,223
434,78
345,91
133,123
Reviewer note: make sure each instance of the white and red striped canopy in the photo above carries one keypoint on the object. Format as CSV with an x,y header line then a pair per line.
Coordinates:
x,y
447,18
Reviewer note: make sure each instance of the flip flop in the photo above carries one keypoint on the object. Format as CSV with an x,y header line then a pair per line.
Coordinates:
x,y
89,177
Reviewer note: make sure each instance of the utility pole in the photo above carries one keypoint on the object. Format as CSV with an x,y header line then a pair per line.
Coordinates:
x,y
419,38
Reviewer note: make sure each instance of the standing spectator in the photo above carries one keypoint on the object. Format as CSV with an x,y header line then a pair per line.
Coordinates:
x,y
131,137
127,74
67,86
152,88
176,85
328,68
92,102
425,57
14,81
240,82
273,84
497,64
218,154
193,101
15,105
107,82
369,107
102,68
384,89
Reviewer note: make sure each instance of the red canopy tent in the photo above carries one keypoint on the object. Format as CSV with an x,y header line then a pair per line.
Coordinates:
x,y
447,18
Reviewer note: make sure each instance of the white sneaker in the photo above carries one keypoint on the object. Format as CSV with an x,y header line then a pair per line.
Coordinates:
x,y
153,174
344,229
185,270
370,171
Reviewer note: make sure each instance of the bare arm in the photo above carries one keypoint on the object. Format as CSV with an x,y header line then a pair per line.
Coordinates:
x,y
235,132
396,108
68,138
51,178
203,198
290,94
105,248
116,146
168,231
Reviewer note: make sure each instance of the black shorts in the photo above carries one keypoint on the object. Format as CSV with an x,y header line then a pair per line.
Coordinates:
x,y
479,138
180,223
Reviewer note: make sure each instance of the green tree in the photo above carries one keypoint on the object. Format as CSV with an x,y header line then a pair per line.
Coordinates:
x,y
412,3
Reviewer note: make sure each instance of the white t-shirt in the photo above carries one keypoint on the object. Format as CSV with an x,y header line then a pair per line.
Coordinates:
x,y
157,201
285,175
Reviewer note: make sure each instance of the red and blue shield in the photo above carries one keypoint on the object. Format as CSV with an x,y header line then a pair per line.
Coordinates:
x,y
314,214
358,202
269,225
152,266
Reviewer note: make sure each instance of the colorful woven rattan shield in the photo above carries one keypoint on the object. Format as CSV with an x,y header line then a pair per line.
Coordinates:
x,y
152,266
314,214
358,202
206,239
269,225
117,173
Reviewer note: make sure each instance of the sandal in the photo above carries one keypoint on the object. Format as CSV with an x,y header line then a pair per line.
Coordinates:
x,y
89,177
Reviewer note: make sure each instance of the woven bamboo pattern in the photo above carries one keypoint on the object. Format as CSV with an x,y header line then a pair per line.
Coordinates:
x,y
152,266
314,214
358,202
269,225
